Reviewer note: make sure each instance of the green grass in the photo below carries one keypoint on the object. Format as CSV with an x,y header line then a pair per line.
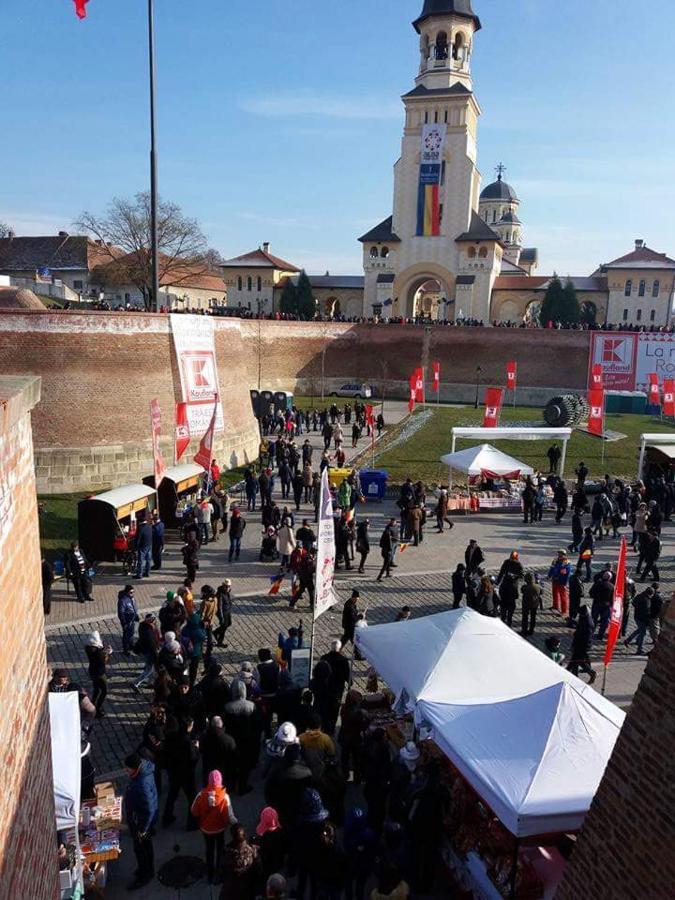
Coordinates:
x,y
58,521
419,457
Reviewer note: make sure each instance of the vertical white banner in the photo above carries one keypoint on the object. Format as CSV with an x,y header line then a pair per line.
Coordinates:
x,y
325,554
195,345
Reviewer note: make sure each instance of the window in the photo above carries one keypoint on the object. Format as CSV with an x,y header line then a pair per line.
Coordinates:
x,y
628,289
652,315
472,252
494,215
443,172
441,45
77,285
249,283
458,46
239,283
373,253
426,118
482,253
259,284
440,212
638,315
384,253
445,116
625,315
656,287
436,116
642,289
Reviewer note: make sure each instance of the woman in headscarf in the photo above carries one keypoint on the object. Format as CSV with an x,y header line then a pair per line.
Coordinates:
x,y
213,812
271,838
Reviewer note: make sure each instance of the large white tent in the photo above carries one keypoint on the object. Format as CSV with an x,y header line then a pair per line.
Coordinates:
x,y
486,459
64,719
536,760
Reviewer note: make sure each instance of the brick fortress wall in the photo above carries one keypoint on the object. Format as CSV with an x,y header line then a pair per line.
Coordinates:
x,y
28,863
627,846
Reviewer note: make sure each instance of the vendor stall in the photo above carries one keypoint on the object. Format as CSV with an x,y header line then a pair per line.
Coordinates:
x,y
485,467
516,434
179,487
108,520
657,451
64,718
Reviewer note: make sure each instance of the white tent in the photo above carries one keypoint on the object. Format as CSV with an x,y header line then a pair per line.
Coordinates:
x,y
64,718
486,459
537,761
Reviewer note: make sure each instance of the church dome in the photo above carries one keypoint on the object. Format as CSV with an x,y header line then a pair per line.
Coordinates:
x,y
499,190
447,8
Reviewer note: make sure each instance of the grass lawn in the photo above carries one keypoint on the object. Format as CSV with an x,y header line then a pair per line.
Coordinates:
x,y
58,521
419,457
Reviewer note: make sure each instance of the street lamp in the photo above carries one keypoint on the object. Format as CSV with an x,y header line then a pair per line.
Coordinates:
x,y
478,371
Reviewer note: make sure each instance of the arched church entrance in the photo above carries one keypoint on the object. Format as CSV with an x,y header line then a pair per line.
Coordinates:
x,y
424,291
429,300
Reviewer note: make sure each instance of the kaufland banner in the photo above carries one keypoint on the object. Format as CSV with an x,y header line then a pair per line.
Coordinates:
x,y
195,346
627,360
431,167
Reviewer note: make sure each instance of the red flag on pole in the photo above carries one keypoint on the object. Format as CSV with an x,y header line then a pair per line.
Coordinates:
x,y
616,619
654,392
511,375
413,392
669,397
156,425
81,8
597,382
182,430
596,401
204,455
419,385
494,398
437,377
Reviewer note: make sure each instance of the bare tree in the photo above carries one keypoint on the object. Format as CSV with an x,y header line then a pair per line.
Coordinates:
x,y
124,234
5,230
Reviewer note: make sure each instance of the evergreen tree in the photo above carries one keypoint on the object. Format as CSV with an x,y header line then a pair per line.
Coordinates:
x,y
571,311
289,298
305,302
589,313
552,306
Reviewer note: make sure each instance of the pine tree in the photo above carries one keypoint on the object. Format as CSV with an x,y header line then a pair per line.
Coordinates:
x,y
571,311
551,307
305,302
289,298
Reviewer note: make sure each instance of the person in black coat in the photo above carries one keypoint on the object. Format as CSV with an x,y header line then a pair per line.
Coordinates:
x,y
387,548
582,643
140,808
362,543
286,784
219,753
473,557
181,752
47,582
576,588
77,569
350,614
157,541
98,657
223,612
508,581
458,585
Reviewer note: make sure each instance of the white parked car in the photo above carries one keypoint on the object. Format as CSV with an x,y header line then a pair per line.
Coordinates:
x,y
358,391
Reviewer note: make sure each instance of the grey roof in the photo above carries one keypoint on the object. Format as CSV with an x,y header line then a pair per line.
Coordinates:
x,y
510,218
59,252
499,190
509,268
445,8
381,233
465,279
581,283
384,278
422,91
478,231
529,254
349,282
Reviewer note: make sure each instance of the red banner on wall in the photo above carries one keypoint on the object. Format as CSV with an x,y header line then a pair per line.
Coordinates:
x,y
156,425
616,619
494,397
654,392
511,375
204,455
437,377
596,401
419,385
413,392
597,382
182,430
669,397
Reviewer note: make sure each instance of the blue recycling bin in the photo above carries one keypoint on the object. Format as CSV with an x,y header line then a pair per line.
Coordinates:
x,y
373,483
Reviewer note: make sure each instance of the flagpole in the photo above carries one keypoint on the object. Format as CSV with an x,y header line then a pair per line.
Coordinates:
x,y
604,681
153,161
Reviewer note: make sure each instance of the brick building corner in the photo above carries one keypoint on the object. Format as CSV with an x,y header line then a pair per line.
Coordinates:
x,y
28,863
626,847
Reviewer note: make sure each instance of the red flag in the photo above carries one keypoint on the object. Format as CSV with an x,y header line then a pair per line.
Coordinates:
x,y
494,398
156,425
616,619
511,375
182,430
419,385
669,397
654,392
81,8
204,455
596,423
413,393
597,382
370,415
437,377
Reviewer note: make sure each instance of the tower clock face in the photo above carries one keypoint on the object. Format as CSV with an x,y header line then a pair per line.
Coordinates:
x,y
433,141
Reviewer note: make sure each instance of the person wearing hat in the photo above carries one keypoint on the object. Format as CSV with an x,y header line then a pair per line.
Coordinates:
x,y
171,656
171,614
271,838
508,582
404,770
223,611
350,613
245,675
552,645
140,808
559,573
147,646
215,690
306,837
98,657
212,810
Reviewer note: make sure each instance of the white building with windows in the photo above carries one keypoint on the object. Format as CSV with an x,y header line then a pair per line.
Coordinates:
x,y
641,287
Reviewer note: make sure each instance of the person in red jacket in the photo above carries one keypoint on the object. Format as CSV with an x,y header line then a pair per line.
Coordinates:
x,y
214,814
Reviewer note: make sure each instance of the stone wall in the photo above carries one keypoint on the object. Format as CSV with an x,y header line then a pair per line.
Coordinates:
x,y
626,847
28,863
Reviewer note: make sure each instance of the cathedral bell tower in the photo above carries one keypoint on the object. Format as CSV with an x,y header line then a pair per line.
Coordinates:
x,y
446,29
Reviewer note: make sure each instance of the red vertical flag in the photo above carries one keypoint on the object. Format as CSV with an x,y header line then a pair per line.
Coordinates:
x,y
494,397
81,8
596,423
182,430
419,385
668,397
511,375
413,392
156,424
654,392
204,455
437,377
597,382
616,619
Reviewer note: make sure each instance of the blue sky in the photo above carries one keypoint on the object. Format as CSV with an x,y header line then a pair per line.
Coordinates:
x,y
281,121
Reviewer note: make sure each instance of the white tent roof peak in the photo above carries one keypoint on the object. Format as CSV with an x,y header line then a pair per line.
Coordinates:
x,y
485,458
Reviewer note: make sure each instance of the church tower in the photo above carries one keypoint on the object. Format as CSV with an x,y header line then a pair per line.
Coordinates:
x,y
435,243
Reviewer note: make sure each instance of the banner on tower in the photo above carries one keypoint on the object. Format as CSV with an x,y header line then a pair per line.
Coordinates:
x,y
431,169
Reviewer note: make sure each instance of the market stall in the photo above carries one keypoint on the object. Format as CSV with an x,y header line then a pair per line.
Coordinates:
x,y
516,433
178,489
493,477
64,718
107,521
657,451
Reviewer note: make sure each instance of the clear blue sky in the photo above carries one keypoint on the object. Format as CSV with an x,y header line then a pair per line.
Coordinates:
x,y
281,121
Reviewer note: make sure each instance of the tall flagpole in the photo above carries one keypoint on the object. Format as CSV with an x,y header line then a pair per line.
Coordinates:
x,y
153,161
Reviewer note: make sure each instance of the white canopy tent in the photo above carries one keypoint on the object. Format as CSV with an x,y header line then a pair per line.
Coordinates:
x,y
516,434
486,459
664,443
537,760
64,718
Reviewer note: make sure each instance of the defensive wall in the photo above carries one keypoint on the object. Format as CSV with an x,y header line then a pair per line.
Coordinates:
x,y
100,370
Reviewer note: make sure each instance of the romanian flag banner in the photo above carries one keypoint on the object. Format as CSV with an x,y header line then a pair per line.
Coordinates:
x,y
431,171
276,582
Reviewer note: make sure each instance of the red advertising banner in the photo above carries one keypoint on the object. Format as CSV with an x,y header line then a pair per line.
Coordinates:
x,y
437,377
511,375
494,397
597,382
182,430
419,385
596,423
669,397
616,619
204,455
654,398
156,425
413,393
